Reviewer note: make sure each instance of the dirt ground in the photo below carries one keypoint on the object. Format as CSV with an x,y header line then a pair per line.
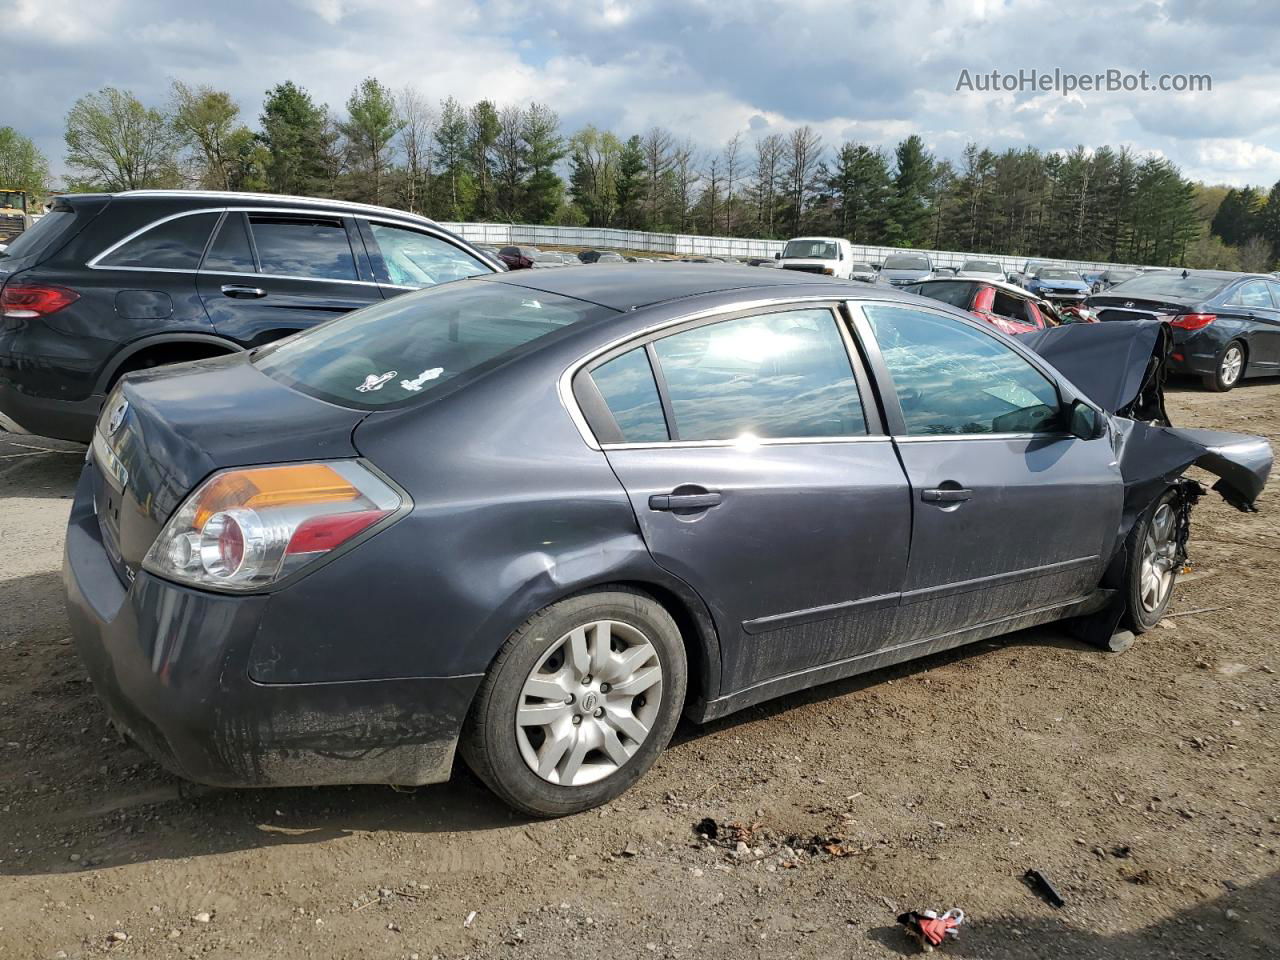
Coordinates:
x,y
1143,785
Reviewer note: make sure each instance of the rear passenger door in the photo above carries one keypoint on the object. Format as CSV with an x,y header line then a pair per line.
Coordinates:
x,y
270,273
761,477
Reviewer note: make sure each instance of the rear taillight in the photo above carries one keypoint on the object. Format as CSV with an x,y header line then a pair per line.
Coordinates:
x,y
23,301
246,529
1193,321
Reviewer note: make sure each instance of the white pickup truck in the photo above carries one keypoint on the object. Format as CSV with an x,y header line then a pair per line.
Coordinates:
x,y
829,256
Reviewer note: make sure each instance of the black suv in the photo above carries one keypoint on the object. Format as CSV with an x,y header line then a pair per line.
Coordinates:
x,y
105,284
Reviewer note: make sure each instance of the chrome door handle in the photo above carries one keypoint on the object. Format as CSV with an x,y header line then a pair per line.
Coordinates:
x,y
241,292
684,501
946,495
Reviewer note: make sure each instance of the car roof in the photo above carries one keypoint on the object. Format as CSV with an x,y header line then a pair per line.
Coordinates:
x,y
271,199
635,285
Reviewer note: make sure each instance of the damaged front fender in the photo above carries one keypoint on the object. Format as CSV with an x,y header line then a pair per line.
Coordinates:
x,y
1121,367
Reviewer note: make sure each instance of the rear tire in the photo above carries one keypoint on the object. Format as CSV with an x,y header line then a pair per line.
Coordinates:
x,y
1229,370
578,703
1152,568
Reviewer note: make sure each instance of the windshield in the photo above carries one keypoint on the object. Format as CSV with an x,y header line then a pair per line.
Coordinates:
x,y
1059,275
958,293
1170,284
981,266
13,198
861,267
906,261
1119,276
810,249
401,349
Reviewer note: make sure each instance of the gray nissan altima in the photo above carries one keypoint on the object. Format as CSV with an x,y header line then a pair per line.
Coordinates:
x,y
536,517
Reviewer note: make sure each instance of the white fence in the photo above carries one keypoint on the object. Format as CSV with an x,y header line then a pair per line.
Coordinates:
x,y
681,244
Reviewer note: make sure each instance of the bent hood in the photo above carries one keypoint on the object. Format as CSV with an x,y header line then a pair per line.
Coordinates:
x,y
1122,368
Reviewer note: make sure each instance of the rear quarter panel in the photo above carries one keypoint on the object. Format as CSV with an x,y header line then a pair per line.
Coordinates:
x,y
512,511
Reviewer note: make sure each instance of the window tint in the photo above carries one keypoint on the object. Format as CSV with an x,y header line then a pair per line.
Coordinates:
x,y
951,379
412,259
53,227
773,375
404,348
175,244
230,251
1252,293
628,388
303,247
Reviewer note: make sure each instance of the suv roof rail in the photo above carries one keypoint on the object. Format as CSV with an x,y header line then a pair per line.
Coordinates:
x,y
275,197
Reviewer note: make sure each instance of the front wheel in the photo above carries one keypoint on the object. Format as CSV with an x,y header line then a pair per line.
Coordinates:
x,y
1229,370
1153,563
578,703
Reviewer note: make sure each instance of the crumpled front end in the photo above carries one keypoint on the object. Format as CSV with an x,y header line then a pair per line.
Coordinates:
x,y
1122,367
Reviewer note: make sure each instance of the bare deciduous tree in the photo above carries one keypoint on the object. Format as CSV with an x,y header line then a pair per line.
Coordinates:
x,y
415,140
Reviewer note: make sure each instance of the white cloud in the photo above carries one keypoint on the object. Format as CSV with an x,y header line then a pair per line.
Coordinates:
x,y
704,68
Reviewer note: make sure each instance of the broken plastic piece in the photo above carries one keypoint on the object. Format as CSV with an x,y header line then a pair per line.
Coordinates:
x,y
1040,883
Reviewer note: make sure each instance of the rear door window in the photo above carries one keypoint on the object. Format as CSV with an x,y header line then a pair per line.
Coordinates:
x,y
176,244
409,258
627,385
403,349
302,246
1252,293
774,375
230,251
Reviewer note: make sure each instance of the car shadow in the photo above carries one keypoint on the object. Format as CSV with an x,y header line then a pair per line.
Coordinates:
x,y
38,468
1050,635
1186,384
1240,923
73,775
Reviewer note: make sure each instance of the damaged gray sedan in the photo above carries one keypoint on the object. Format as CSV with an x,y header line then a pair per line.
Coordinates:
x,y
538,516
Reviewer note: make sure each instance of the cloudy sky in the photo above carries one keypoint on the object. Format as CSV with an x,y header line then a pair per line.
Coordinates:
x,y
704,68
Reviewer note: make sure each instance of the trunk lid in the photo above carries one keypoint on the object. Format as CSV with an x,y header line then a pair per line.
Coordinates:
x,y
1117,307
164,431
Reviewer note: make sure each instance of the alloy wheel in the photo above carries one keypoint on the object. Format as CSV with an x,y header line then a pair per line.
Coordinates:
x,y
1232,365
589,703
1159,558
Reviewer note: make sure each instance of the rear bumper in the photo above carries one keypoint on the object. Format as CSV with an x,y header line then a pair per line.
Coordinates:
x,y
171,667
1195,354
62,419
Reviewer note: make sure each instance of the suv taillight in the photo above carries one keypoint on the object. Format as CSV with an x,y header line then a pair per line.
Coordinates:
x,y
1193,321
22,301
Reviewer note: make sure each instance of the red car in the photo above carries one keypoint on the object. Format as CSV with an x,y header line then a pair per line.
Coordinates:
x,y
1008,308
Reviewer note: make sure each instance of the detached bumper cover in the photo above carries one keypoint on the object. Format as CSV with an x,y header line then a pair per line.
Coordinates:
x,y
171,667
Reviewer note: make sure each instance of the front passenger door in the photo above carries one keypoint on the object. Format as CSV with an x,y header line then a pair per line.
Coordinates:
x,y
267,275
1010,512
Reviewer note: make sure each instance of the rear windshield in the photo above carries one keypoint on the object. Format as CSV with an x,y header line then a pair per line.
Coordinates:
x,y
982,266
958,293
905,261
43,234
393,352
1170,284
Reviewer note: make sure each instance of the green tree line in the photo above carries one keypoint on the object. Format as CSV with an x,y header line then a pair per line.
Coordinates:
x,y
456,161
